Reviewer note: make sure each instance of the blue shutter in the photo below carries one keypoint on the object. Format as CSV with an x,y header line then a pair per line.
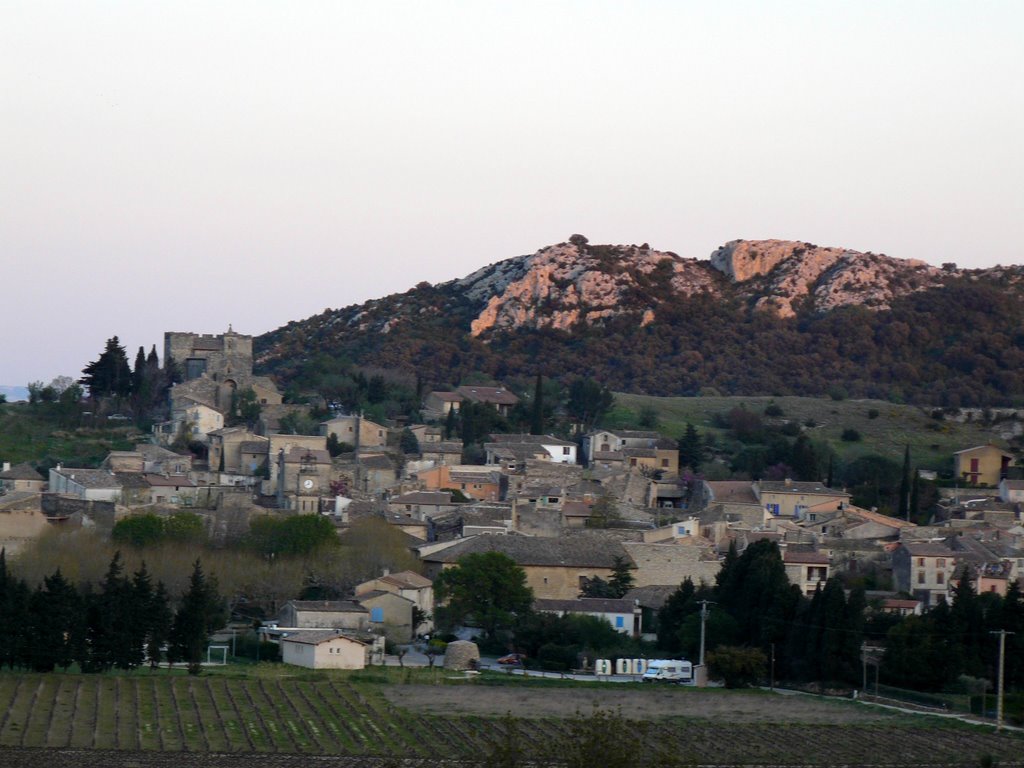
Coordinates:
x,y
619,624
377,615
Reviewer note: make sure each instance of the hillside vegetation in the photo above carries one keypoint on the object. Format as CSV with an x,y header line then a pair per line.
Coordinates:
x,y
885,428
651,323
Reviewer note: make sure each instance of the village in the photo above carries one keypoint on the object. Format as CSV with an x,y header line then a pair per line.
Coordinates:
x,y
570,513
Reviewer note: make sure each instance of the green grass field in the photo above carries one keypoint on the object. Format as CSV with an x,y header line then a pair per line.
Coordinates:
x,y
33,433
278,709
931,442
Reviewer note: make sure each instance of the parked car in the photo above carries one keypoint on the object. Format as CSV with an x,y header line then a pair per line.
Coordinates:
x,y
513,658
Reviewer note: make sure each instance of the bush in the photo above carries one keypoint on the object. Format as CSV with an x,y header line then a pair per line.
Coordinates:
x,y
873,413
850,435
557,658
774,411
790,429
736,666
837,393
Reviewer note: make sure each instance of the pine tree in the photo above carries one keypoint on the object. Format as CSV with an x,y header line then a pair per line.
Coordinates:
x,y
904,502
537,408
110,375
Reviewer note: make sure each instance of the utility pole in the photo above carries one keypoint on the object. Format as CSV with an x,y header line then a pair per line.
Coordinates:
x,y
999,690
771,677
703,620
864,662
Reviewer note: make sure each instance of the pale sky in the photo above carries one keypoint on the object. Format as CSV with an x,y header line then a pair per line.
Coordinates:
x,y
185,165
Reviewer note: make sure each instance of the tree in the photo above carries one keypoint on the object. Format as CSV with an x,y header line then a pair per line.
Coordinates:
x,y
408,442
691,448
622,577
14,615
488,587
537,408
109,375
54,624
904,503
201,611
737,666
160,619
295,535
588,402
604,512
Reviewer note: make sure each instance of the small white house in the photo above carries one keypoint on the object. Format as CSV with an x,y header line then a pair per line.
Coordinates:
x,y
323,649
623,615
1011,491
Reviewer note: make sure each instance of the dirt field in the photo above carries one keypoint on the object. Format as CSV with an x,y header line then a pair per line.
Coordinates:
x,y
652,704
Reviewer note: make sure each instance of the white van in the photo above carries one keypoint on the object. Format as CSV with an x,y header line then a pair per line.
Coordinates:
x,y
669,671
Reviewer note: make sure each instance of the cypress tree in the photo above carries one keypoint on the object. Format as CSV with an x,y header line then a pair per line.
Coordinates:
x,y
200,612
449,424
904,506
14,616
159,624
915,497
829,479
537,410
54,616
691,448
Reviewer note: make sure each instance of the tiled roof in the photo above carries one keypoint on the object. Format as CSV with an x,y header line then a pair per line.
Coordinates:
x,y
531,439
928,549
327,606
981,448
129,480
592,551
792,486
497,395
878,517
377,461
300,455
90,478
407,580
317,637
732,491
254,446
423,497
653,596
585,605
169,481
448,397
805,558
23,471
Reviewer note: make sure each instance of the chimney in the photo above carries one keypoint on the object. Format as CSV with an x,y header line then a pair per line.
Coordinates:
x,y
788,482
7,466
387,571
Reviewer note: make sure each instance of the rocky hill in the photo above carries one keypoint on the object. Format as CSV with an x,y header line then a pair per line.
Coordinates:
x,y
872,322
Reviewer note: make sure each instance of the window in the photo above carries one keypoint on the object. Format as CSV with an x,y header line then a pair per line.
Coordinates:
x,y
940,577
664,462
565,451
773,508
940,563
920,577
920,562
619,622
377,615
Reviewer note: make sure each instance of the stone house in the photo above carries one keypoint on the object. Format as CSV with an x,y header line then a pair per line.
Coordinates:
x,y
1010,491
173,489
160,460
982,465
223,363
227,444
426,434
123,461
607,441
476,482
377,473
556,568
924,569
355,430
323,614
420,505
323,649
410,585
307,473
436,405
447,452
21,477
671,563
390,614
498,398
807,570
545,447
789,499
86,484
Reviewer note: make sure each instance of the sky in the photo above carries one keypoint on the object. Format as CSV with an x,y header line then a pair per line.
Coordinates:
x,y
190,165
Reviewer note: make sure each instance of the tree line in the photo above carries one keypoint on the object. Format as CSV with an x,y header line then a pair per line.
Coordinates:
x,y
758,615
124,622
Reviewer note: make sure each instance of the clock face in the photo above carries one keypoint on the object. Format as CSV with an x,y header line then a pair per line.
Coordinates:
x,y
307,483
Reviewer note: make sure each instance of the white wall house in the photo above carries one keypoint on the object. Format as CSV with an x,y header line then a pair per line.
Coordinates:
x,y
323,649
